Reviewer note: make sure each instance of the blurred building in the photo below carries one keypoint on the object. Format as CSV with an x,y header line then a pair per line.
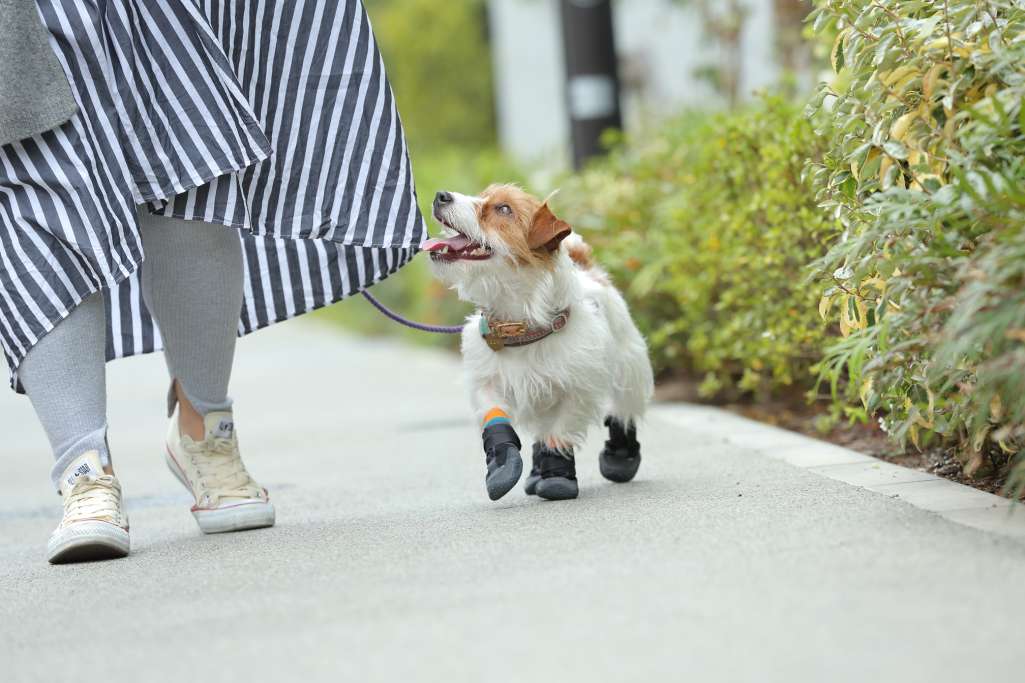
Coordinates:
x,y
669,59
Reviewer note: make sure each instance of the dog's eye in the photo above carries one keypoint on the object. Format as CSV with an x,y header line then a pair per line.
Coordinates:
x,y
504,209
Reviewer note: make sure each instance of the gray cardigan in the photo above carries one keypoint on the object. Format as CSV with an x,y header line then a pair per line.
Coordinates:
x,y
34,92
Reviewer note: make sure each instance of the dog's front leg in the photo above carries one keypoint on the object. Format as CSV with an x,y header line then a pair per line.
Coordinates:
x,y
554,473
501,448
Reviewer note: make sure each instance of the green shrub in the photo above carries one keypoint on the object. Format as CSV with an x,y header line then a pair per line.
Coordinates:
x,y
926,172
438,60
707,226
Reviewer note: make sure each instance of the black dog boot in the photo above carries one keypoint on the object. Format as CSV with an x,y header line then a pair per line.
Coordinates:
x,y
502,455
558,475
621,457
530,486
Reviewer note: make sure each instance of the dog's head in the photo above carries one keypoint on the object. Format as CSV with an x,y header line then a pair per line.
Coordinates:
x,y
500,230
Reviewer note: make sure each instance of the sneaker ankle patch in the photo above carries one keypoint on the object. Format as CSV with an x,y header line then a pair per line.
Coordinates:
x,y
83,469
224,429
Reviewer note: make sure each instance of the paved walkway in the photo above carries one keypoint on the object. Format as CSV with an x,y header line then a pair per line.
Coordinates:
x,y
388,563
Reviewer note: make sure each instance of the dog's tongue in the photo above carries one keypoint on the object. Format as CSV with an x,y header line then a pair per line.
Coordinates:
x,y
457,243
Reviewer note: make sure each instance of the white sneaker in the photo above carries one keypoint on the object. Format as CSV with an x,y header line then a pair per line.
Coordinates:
x,y
94,526
227,498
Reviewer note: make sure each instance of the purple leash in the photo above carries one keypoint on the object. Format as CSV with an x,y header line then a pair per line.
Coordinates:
x,y
437,329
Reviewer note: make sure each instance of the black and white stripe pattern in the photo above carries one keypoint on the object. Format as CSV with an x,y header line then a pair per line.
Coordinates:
x,y
271,116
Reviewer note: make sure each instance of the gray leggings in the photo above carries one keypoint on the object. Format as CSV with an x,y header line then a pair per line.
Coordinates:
x,y
192,284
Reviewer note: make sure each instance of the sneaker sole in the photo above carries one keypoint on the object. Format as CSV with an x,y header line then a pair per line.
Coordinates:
x,y
88,542
242,517
237,518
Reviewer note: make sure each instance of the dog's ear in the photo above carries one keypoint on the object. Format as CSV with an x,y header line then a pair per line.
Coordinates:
x,y
547,231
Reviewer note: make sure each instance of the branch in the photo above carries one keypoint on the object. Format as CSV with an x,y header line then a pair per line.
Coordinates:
x,y
950,40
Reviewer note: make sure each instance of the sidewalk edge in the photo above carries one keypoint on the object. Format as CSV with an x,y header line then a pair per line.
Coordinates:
x,y
958,503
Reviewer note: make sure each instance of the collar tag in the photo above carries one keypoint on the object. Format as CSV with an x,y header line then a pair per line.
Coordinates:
x,y
504,333
494,341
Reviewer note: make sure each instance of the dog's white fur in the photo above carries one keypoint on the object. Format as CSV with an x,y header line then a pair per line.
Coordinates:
x,y
556,388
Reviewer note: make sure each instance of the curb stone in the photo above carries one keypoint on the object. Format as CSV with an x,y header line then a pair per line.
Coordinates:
x,y
956,502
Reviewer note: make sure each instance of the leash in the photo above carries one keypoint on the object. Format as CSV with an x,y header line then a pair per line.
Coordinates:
x,y
436,329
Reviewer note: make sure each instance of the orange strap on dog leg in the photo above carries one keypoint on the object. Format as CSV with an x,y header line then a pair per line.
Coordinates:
x,y
496,416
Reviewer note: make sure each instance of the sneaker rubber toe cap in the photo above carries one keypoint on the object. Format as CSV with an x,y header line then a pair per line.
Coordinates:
x,y
87,542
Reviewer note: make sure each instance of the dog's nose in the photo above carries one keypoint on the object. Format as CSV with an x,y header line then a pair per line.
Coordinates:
x,y
442,198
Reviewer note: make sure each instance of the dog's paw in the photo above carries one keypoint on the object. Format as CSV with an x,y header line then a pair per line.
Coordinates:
x,y
530,485
558,488
621,457
557,474
619,464
502,455
504,470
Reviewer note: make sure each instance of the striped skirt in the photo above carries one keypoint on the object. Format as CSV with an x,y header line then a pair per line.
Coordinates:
x,y
272,117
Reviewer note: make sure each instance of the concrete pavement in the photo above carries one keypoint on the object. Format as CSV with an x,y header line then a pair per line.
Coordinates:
x,y
388,563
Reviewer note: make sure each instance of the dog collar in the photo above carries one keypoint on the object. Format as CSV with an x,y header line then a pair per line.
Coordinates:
x,y
499,334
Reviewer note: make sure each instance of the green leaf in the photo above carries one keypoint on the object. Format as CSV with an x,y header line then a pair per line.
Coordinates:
x,y
895,149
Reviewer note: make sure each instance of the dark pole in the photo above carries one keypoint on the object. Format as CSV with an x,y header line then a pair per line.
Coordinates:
x,y
592,83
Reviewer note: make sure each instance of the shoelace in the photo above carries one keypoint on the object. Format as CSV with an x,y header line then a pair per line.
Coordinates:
x,y
221,472
93,498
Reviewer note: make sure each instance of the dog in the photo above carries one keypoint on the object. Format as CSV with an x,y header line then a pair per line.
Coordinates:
x,y
552,348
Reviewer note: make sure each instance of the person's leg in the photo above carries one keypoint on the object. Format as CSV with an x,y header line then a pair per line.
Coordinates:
x,y
192,284
64,377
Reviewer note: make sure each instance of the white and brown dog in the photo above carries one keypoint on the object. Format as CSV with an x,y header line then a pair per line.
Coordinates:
x,y
551,348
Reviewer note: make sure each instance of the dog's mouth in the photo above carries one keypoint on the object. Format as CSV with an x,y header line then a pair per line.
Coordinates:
x,y
458,247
